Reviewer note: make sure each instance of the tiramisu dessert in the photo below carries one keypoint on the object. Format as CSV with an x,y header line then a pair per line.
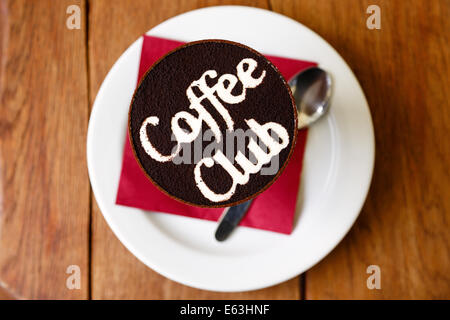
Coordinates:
x,y
212,123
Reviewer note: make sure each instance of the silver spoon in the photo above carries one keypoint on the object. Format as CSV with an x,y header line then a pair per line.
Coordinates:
x,y
311,89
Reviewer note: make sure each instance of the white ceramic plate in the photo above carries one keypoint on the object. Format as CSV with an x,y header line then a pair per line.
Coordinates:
x,y
337,170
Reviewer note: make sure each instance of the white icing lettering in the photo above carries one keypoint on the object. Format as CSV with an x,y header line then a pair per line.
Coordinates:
x,y
224,90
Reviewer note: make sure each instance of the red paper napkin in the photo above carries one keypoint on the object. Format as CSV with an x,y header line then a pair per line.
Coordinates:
x,y
272,210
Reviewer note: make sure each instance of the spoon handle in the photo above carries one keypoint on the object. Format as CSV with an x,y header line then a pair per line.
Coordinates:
x,y
230,219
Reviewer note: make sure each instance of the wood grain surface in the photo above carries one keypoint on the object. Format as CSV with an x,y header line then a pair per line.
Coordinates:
x,y
50,75
404,69
44,187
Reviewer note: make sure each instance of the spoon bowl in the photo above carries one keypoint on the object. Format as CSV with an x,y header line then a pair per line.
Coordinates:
x,y
311,89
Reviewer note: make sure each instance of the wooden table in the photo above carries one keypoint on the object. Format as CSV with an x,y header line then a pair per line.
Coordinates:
x,y
50,75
